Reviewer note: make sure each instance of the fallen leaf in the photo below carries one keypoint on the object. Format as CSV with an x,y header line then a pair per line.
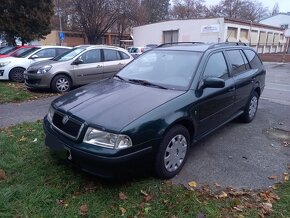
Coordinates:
x,y
237,208
22,139
217,185
222,195
266,208
148,198
192,184
35,140
84,209
65,205
2,175
144,193
286,177
122,196
60,201
123,211
272,177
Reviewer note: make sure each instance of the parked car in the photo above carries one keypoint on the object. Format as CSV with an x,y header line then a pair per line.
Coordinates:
x,y
12,68
79,66
15,51
136,51
159,104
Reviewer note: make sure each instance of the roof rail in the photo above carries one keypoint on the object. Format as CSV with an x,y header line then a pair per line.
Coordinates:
x,y
227,43
178,43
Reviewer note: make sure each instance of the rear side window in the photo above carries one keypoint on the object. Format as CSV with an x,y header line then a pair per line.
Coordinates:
x,y
216,66
60,51
46,53
124,55
111,55
253,59
237,61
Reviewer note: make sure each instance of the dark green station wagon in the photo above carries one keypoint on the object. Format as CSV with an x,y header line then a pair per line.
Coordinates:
x,y
158,106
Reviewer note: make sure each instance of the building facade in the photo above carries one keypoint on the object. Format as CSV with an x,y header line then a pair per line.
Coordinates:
x,y
279,20
263,38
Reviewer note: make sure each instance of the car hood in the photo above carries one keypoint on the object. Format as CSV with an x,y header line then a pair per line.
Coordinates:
x,y
5,59
37,65
112,104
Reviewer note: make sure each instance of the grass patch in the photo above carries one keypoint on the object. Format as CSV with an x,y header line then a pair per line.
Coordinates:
x,y
36,184
17,92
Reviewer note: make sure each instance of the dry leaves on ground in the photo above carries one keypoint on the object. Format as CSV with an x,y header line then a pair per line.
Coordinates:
x,y
122,196
83,209
2,175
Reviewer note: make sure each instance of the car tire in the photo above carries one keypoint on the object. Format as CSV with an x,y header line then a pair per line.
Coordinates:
x,y
16,75
61,83
251,108
172,152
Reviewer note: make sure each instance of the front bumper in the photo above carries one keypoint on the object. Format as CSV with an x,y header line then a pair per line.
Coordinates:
x,y
37,80
108,164
4,74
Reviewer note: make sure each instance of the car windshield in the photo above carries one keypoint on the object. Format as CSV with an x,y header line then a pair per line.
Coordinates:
x,y
27,52
169,69
6,50
19,52
69,54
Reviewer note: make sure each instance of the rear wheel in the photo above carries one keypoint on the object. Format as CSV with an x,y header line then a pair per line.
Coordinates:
x,y
16,75
251,108
61,83
173,152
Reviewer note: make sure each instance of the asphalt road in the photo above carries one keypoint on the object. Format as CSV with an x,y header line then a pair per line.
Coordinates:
x,y
237,155
245,155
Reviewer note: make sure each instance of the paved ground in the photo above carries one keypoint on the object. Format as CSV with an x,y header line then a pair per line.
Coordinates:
x,y
245,155
237,155
11,114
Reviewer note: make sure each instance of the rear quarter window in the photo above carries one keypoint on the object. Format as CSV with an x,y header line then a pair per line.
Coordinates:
x,y
124,55
253,58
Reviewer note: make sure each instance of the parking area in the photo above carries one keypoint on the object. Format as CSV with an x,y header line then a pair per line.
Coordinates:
x,y
246,155
237,155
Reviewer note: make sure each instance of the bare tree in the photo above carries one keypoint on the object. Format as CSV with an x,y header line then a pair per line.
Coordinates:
x,y
186,9
239,9
275,9
96,17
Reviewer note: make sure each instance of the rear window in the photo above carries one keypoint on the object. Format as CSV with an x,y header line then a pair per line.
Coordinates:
x,y
28,52
253,58
237,61
19,52
6,50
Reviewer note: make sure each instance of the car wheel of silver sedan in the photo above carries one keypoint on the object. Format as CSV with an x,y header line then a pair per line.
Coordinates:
x,y
61,83
172,152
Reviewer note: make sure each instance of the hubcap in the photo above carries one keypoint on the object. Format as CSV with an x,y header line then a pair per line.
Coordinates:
x,y
253,107
17,75
175,153
62,84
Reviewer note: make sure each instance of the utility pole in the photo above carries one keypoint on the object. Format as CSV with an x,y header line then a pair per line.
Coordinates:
x,y
60,23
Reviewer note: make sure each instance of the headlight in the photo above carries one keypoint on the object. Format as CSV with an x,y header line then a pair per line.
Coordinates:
x,y
3,64
50,114
106,139
44,69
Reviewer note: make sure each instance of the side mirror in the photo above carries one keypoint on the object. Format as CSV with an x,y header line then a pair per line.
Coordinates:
x,y
78,61
213,82
34,57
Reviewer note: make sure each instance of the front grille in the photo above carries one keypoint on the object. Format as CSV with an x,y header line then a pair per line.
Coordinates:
x,y
32,71
32,81
70,128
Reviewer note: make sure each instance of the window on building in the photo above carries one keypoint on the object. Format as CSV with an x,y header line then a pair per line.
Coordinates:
x,y
232,34
170,36
285,26
216,66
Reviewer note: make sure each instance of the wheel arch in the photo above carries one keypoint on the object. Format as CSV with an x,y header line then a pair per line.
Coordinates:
x,y
15,67
62,73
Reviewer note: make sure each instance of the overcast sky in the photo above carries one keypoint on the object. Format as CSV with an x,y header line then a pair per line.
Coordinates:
x,y
284,5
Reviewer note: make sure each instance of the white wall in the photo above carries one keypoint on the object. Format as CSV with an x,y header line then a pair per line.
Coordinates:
x,y
189,31
277,20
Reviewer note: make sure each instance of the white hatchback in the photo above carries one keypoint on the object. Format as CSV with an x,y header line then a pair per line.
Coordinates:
x,y
12,68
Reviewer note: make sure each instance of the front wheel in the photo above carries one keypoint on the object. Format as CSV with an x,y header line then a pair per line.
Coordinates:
x,y
173,152
251,108
61,83
16,75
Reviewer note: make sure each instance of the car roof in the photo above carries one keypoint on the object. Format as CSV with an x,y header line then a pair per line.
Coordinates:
x,y
199,46
53,46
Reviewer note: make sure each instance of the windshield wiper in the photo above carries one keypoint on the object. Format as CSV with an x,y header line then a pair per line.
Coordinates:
x,y
119,77
146,83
